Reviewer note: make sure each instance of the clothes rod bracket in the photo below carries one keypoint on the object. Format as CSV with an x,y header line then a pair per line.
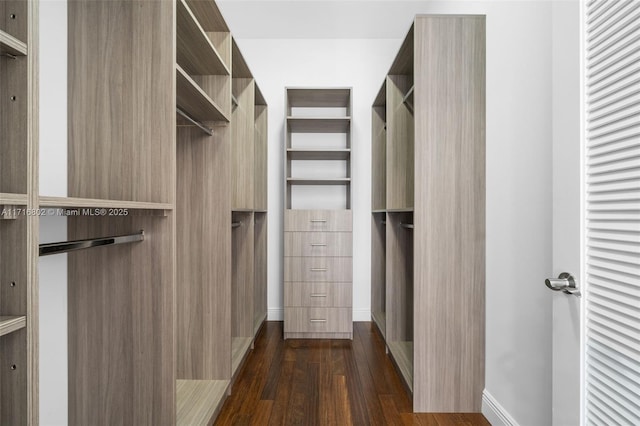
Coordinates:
x,y
195,122
67,246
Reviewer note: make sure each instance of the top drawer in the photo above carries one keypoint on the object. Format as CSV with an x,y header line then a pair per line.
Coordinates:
x,y
318,220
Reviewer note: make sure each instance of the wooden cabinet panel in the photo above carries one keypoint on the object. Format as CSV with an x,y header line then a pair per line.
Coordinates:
x,y
318,220
318,244
318,294
318,320
325,269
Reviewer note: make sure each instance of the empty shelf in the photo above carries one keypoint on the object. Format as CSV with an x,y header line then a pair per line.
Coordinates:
x,y
401,210
13,199
319,124
199,401
11,324
208,15
239,65
301,181
70,202
195,52
402,353
11,45
318,154
191,99
318,98
239,348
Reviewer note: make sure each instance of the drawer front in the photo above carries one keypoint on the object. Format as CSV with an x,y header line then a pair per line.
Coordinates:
x,y
318,320
318,220
330,295
311,244
327,269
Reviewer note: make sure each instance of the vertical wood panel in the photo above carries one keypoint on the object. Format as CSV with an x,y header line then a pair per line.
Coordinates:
x,y
449,213
378,159
121,101
121,324
203,251
242,275
242,147
261,157
378,270
260,261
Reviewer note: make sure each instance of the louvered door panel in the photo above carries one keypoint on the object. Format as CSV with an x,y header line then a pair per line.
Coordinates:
x,y
613,212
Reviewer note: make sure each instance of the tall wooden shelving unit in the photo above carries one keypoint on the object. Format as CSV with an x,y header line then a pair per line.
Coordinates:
x,y
153,130
428,204
318,270
18,228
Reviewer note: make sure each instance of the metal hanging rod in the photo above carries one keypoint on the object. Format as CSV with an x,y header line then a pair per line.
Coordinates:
x,y
406,225
236,224
66,246
194,122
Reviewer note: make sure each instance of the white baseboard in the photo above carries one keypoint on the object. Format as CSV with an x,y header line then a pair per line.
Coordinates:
x,y
494,412
277,314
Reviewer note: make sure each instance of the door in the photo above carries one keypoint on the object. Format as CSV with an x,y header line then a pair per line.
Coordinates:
x,y
596,212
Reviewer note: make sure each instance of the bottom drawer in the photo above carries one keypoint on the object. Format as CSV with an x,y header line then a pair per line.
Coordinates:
x,y
317,320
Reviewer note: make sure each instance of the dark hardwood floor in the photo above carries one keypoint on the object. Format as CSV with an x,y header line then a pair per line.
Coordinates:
x,y
325,382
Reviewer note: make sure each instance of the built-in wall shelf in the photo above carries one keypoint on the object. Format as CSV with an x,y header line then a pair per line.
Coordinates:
x,y
195,52
199,401
318,154
191,99
11,45
9,324
70,202
311,181
405,210
318,124
239,348
13,199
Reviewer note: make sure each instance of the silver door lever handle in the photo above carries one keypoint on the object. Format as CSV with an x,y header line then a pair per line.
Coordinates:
x,y
565,283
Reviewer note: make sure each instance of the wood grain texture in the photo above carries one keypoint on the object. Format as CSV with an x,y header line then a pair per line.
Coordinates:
x,y
260,270
14,384
14,111
194,50
318,269
193,100
242,146
318,294
318,244
208,15
9,324
318,220
203,222
318,154
72,202
317,320
240,69
199,401
400,145
11,45
218,87
13,199
319,97
378,158
121,127
242,275
261,145
240,346
318,124
16,19
403,64
449,213
326,382
378,270
402,354
121,324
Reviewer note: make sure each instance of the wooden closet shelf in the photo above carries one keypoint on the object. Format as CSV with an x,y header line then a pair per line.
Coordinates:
x,y
318,124
71,202
194,101
11,45
13,199
208,15
9,324
318,154
195,51
260,100
401,210
239,65
310,97
381,97
301,181
239,348
199,401
402,353
379,211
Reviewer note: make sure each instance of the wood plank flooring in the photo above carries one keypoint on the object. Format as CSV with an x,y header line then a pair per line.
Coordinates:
x,y
325,382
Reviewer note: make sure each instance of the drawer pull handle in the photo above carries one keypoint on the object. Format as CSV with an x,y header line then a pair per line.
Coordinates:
x,y
318,245
318,320
318,295
318,220
318,269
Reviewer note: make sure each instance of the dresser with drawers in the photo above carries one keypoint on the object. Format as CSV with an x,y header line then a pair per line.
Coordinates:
x,y
318,243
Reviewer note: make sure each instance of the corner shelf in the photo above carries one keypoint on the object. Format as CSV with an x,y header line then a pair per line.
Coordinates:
x,y
195,52
311,181
199,401
318,124
318,154
9,324
70,202
13,46
194,101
